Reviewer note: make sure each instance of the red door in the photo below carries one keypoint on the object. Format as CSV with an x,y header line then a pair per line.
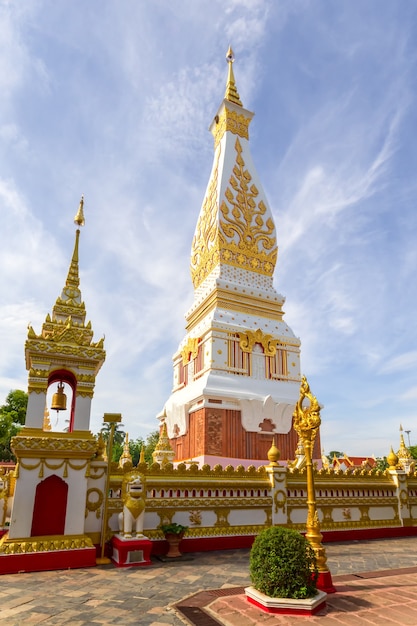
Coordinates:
x,y
50,507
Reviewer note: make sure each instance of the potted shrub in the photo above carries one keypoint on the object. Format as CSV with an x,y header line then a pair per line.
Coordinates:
x,y
284,573
173,534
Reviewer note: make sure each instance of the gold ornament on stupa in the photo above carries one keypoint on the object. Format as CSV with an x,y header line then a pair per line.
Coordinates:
x,y
273,455
126,460
79,218
405,460
163,452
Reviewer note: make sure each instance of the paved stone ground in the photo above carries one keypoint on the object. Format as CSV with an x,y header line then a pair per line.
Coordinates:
x,y
210,584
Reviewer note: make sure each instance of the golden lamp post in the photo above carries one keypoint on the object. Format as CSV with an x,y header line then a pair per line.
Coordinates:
x,y
306,421
113,419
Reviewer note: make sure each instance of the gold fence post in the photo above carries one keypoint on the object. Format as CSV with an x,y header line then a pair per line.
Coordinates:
x,y
112,419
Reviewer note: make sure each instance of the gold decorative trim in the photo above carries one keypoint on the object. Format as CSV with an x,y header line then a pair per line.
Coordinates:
x,y
246,238
80,351
248,339
190,350
218,531
352,525
38,373
237,502
204,252
37,386
53,446
232,121
94,505
48,543
240,232
42,463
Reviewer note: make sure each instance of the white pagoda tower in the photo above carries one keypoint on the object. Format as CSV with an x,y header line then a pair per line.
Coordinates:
x,y
237,371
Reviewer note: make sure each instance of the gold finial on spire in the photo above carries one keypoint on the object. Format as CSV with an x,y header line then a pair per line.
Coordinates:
x,y
79,218
231,91
163,452
273,455
126,457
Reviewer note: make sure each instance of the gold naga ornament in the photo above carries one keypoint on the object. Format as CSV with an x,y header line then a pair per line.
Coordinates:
x,y
306,422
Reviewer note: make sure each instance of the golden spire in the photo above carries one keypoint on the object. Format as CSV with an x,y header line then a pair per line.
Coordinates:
x,y
405,460
79,218
163,441
273,455
126,456
392,459
231,91
71,294
163,452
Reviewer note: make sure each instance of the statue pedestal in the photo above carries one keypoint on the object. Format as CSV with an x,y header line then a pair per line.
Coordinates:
x,y
131,552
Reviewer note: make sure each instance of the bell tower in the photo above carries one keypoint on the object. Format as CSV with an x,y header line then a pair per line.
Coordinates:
x,y
48,515
237,371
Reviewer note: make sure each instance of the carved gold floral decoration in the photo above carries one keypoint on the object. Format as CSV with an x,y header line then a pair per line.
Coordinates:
x,y
237,231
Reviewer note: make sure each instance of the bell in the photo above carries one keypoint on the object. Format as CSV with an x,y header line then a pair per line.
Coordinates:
x,y
59,399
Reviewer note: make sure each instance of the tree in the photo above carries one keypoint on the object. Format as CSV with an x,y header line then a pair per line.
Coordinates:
x,y
335,453
12,418
118,438
119,434
413,451
16,406
135,446
381,463
149,445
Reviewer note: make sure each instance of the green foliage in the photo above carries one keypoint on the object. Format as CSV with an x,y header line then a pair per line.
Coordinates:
x,y
413,451
381,463
15,406
173,528
12,418
135,446
119,434
335,453
283,564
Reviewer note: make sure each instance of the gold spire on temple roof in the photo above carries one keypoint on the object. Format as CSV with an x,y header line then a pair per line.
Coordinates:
x,y
67,323
79,218
163,441
163,452
65,335
231,91
126,457
69,304
405,459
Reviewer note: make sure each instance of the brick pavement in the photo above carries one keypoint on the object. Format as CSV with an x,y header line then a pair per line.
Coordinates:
x,y
153,595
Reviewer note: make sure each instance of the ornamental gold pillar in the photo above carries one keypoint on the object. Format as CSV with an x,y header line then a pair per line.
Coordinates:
x,y
306,421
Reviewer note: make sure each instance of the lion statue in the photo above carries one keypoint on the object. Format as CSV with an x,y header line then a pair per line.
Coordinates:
x,y
133,496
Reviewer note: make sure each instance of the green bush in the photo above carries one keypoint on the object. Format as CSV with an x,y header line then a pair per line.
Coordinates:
x,y
283,564
173,528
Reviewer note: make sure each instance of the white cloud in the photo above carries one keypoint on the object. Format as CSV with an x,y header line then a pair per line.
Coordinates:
x,y
407,361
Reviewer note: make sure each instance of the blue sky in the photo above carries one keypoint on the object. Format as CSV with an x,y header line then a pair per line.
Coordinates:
x,y
113,100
